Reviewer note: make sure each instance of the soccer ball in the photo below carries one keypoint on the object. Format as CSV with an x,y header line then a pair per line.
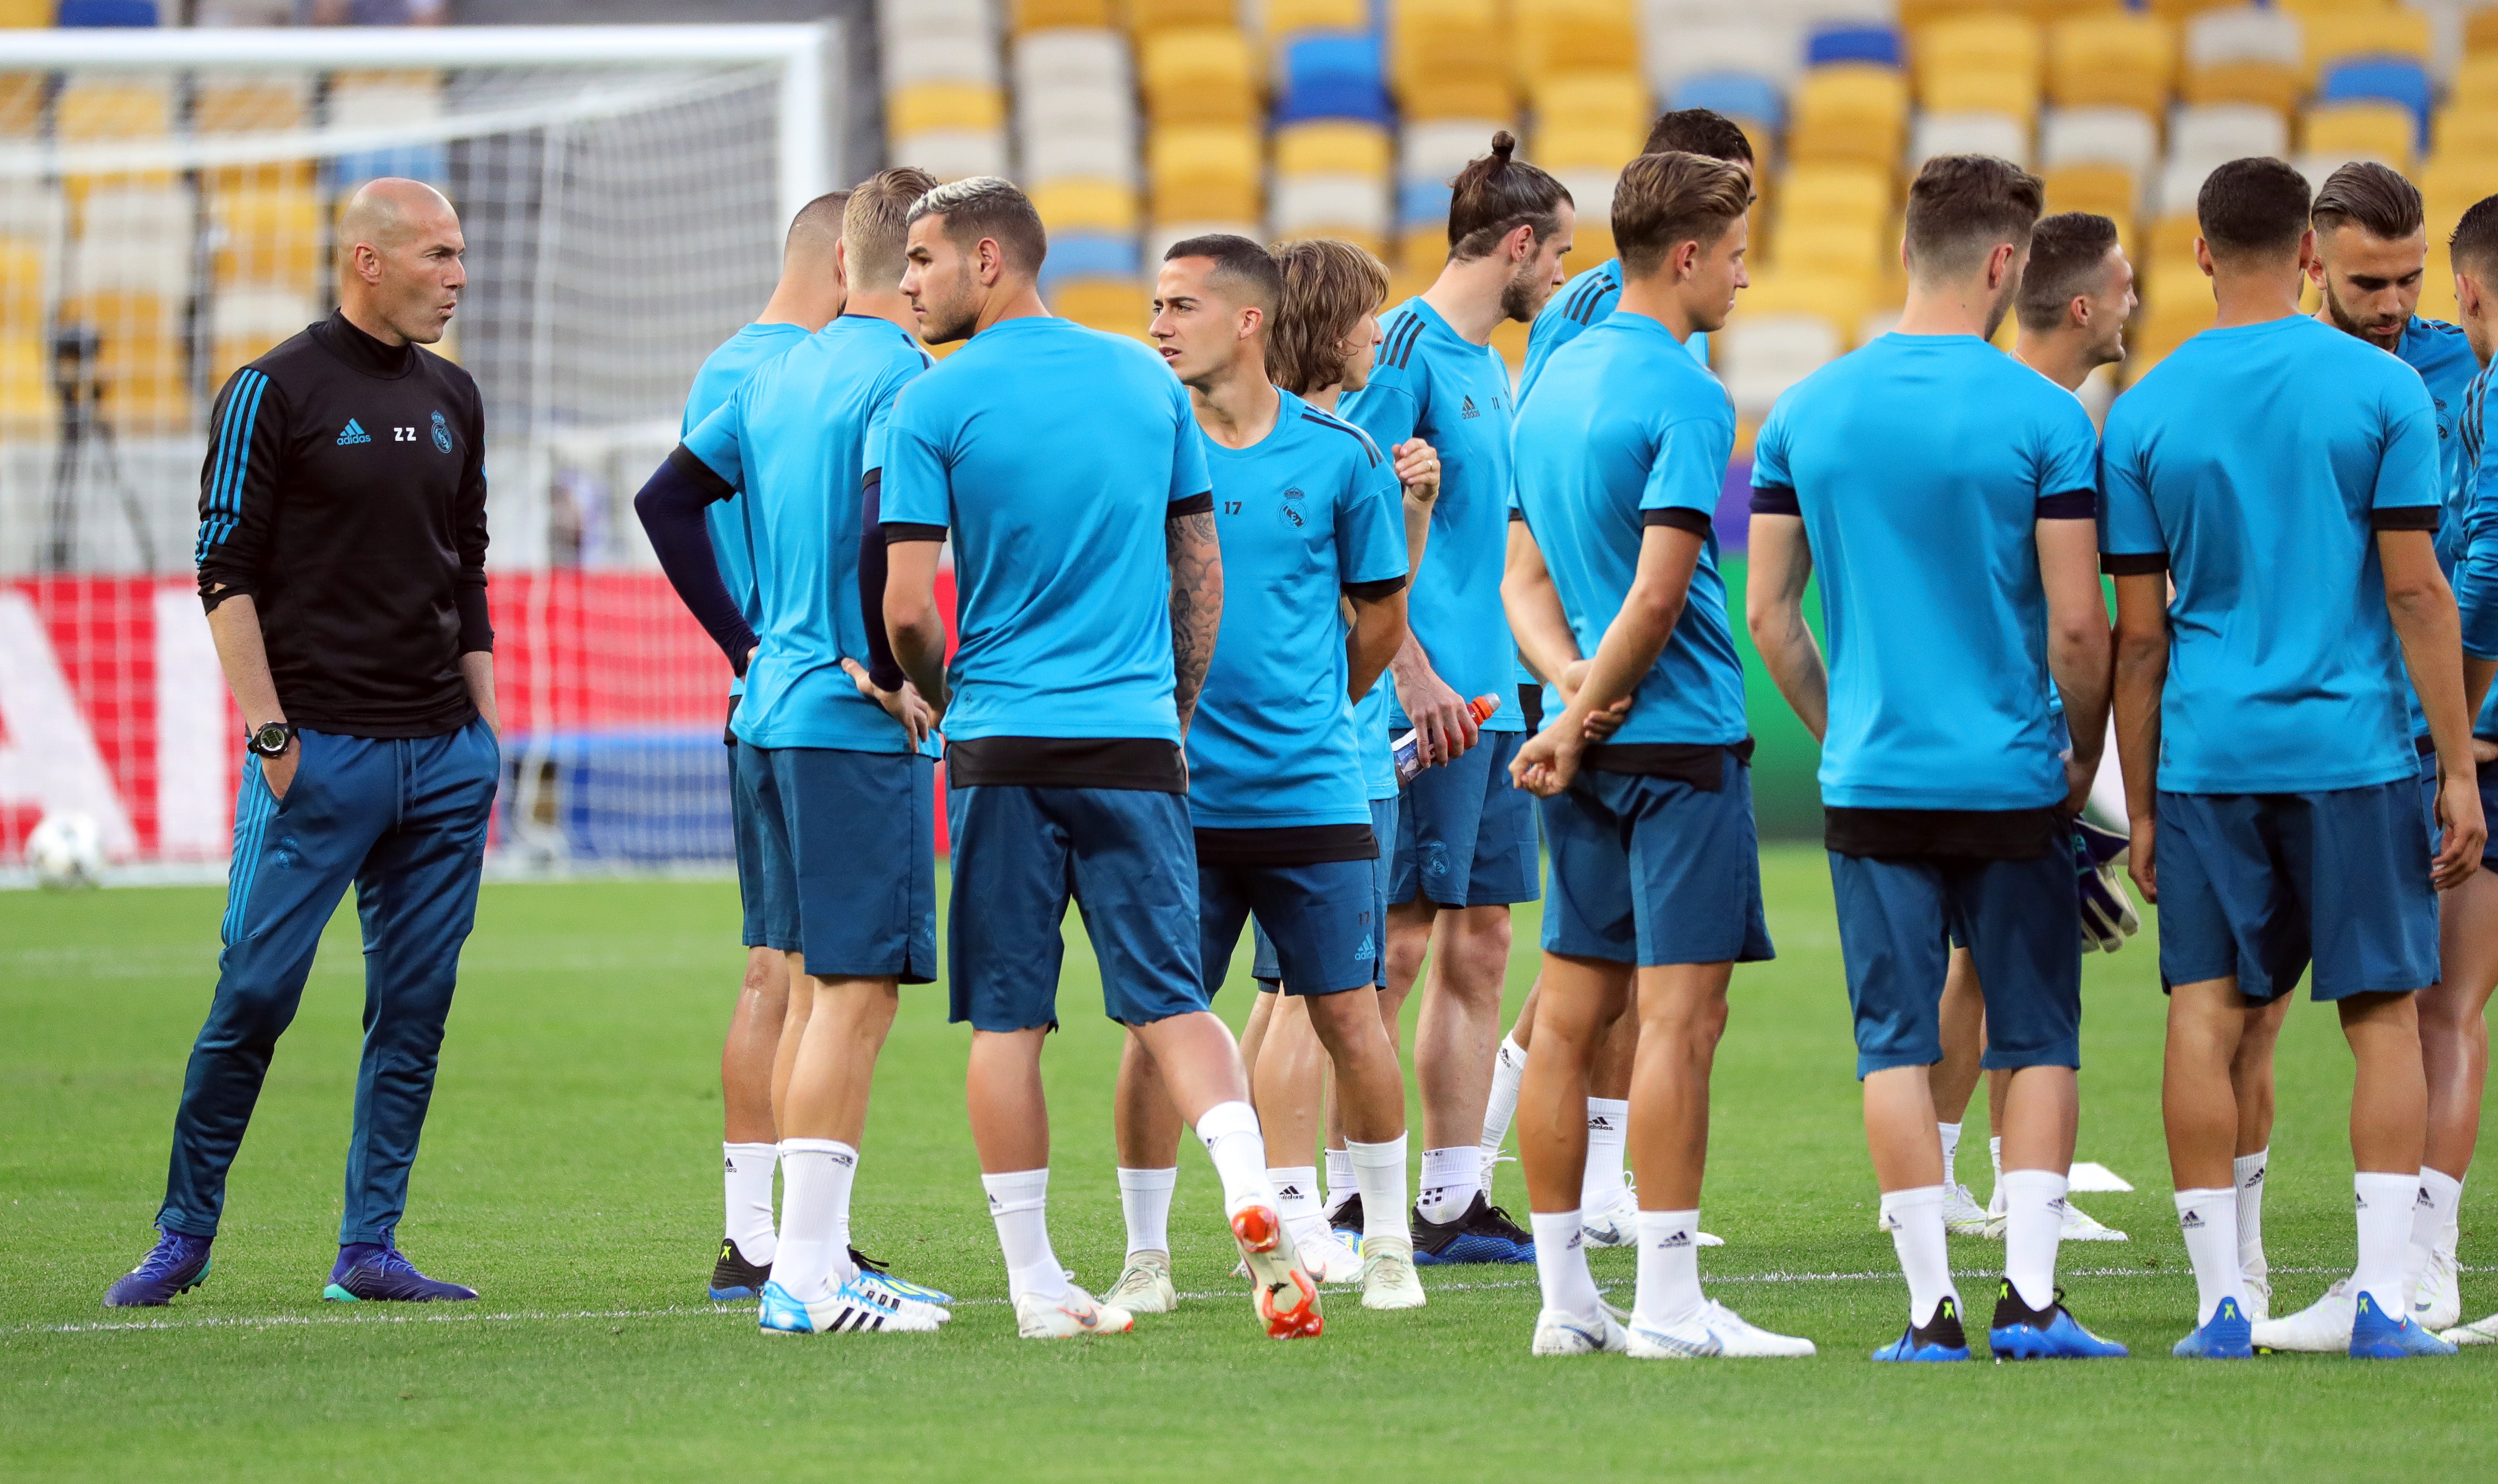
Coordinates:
x,y
66,851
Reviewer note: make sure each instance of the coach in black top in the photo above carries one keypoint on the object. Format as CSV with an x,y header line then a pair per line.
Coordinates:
x,y
343,551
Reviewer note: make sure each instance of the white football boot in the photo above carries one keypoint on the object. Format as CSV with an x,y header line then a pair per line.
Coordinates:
x,y
1558,1331
2437,1299
1962,1216
1071,1316
1145,1285
1715,1331
1388,1276
2322,1328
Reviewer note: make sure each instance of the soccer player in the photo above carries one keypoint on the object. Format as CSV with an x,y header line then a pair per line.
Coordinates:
x,y
1069,468
2076,297
2454,1036
1947,492
1465,839
342,563
1656,873
844,781
2371,257
809,294
1611,1210
1309,516
2284,476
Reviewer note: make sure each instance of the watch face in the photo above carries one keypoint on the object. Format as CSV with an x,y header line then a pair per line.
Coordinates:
x,y
270,739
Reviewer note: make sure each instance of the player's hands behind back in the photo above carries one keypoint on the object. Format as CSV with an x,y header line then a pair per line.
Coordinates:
x,y
905,706
1600,724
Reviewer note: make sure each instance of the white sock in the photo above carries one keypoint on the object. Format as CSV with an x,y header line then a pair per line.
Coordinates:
x,y
1508,1069
1995,1158
1144,1199
2034,1224
2431,1210
2249,1173
1562,1262
2385,1230
1340,1187
1379,1174
2209,1222
1451,1177
1297,1200
815,1256
1916,1221
1951,1150
1669,1267
746,1177
1019,1203
1230,1133
2452,1232
1608,1126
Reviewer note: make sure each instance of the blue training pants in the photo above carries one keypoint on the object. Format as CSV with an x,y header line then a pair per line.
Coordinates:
x,y
404,820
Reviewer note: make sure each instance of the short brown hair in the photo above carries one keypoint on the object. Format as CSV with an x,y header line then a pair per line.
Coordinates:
x,y
1666,200
2252,207
1496,194
876,224
1962,206
2374,198
988,206
2065,250
1328,286
2473,247
818,224
1700,131
1241,268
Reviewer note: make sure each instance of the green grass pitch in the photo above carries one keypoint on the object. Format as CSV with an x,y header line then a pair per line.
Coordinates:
x,y
570,1174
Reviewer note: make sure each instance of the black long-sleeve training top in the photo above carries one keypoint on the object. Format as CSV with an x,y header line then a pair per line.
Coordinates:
x,y
345,492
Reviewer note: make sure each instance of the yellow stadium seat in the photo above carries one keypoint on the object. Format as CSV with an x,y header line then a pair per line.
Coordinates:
x,y
26,14
2108,190
1204,74
2437,301
1285,18
1046,14
1147,16
1848,113
1557,36
22,104
246,105
2451,184
2119,58
2048,12
2272,86
2481,32
2186,10
1832,248
1421,249
1117,305
1840,300
1465,36
2334,34
113,109
2011,94
1079,205
2306,8
1591,243
1611,100
2466,131
1993,42
1914,15
2175,310
245,322
1840,192
1204,173
2384,131
1584,148
266,236
2475,80
1458,95
22,288
26,407
1509,337
923,106
139,362
1335,147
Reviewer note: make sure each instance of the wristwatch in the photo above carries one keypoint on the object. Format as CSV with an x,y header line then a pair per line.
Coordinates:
x,y
270,739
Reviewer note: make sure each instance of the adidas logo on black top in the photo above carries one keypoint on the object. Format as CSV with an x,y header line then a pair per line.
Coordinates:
x,y
1469,409
353,432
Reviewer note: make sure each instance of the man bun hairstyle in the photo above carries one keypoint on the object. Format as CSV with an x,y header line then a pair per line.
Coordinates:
x,y
2374,198
1242,269
988,206
2252,207
1666,200
876,224
1699,131
1962,206
1496,194
2066,254
1328,286
2473,247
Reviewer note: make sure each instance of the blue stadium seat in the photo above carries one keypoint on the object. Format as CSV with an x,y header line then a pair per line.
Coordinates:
x,y
1849,40
1333,75
1735,94
105,13
1421,200
2389,79
1079,255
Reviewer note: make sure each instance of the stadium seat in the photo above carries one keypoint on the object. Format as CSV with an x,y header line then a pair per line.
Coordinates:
x,y
1160,236
1586,121
1146,18
1842,43
1045,15
1756,103
105,13
25,286
1290,17
1834,192
1205,173
1848,111
1970,133
1338,147
2228,131
2450,184
2118,59
922,107
2337,36
265,238
385,100
2187,9
1353,207
1075,109
1092,153
139,357
952,154
2481,31
1332,77
2099,135
1199,75
1083,254
1841,303
1085,206
1762,354
248,103
22,104
2467,130
27,407
1071,58
918,57
26,14
2110,190
2244,55
100,107
2380,131
1120,307
2007,45
1832,248
1575,36
246,323
2391,80
2475,79
1766,48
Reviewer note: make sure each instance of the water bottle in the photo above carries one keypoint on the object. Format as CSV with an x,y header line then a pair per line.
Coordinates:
x,y
1408,751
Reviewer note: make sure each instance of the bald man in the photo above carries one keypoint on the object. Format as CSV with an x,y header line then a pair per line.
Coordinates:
x,y
342,563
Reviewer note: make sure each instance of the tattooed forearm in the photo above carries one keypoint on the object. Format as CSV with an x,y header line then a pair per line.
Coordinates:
x,y
1195,604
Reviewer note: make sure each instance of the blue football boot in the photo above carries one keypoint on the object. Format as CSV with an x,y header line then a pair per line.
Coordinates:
x,y
903,1286
2226,1335
378,1272
1482,1233
1939,1339
2376,1334
2022,1333
177,1263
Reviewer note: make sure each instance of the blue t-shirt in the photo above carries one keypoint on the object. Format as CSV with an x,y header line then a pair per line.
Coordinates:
x,y
1624,431
1922,465
794,440
1430,382
2475,573
1055,455
2256,463
722,372
1584,301
1304,512
2444,358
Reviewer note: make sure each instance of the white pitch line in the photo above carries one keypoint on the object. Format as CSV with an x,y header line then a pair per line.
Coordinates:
x,y
740,1311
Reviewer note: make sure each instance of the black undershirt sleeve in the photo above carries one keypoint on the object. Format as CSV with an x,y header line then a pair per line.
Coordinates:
x,y
1372,592
2134,564
883,671
671,509
1697,521
1193,505
1774,500
2070,505
2404,518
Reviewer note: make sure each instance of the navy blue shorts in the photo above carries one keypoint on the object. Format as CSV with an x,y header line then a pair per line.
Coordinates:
x,y
1264,965
763,873
1126,857
1325,917
1466,836
2022,923
2264,886
1654,871
856,837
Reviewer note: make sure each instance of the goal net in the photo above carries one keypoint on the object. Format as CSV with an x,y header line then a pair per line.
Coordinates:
x,y
166,206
